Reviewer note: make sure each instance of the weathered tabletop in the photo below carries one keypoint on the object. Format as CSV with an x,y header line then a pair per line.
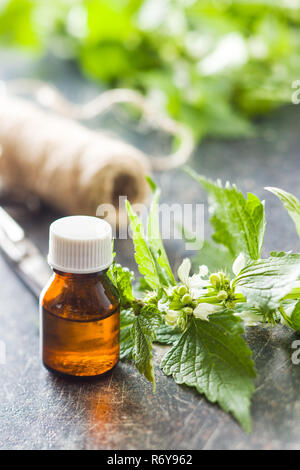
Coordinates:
x,y
39,411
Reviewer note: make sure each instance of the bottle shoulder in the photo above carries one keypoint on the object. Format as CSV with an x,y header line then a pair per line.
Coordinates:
x,y
80,299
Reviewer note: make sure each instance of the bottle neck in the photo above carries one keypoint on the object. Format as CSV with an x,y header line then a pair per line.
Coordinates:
x,y
80,277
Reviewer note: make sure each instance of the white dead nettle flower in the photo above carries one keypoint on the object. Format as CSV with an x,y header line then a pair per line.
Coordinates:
x,y
202,311
196,284
250,318
184,271
239,264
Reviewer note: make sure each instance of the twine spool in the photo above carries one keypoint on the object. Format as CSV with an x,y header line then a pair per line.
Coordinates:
x,y
69,166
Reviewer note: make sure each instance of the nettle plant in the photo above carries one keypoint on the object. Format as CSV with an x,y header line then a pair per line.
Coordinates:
x,y
202,316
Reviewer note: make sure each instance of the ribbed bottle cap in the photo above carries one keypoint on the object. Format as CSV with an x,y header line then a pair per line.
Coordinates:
x,y
80,244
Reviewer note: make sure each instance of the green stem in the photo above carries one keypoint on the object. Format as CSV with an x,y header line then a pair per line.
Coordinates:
x,y
282,311
214,299
208,300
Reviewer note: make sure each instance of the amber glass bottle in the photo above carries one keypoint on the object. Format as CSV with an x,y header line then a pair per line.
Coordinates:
x,y
80,318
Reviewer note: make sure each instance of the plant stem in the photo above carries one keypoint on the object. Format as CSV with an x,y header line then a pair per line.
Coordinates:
x,y
208,300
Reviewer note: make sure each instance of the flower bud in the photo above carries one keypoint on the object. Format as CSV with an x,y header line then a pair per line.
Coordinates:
x,y
186,299
182,290
188,310
214,279
222,295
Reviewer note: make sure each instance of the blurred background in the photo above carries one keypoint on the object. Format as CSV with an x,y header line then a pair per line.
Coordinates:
x,y
213,64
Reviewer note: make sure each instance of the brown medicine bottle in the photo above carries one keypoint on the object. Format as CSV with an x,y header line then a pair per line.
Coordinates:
x,y
79,308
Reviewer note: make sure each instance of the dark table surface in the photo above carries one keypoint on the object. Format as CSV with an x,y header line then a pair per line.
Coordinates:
x,y
119,411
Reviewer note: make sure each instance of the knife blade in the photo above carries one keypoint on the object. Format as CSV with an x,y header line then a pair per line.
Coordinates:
x,y
25,258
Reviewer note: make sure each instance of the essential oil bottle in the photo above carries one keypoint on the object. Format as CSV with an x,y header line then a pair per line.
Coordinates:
x,y
79,307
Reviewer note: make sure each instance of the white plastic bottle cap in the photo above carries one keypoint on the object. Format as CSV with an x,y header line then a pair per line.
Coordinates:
x,y
80,244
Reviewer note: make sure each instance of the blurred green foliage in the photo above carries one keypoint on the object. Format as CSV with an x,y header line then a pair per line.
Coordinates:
x,y
213,64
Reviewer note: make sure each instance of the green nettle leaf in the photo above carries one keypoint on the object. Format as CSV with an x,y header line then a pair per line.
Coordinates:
x,y
290,313
122,279
155,242
137,333
214,256
291,203
143,334
126,340
239,223
295,317
213,357
166,334
266,281
143,255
